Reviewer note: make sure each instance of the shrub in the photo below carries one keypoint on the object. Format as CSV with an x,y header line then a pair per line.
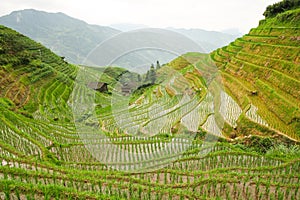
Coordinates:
x,y
282,150
281,7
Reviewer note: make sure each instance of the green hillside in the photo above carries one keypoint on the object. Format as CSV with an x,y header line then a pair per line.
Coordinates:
x,y
261,70
28,70
49,146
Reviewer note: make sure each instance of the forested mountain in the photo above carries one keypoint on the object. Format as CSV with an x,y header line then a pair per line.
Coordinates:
x,y
64,35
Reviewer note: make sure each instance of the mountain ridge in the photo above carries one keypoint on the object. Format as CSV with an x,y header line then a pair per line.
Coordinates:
x,y
75,39
59,32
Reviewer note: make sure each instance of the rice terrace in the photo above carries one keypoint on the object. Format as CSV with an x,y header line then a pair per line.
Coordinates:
x,y
223,124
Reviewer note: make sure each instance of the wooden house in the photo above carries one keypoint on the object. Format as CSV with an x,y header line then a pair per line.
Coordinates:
x,y
98,86
127,88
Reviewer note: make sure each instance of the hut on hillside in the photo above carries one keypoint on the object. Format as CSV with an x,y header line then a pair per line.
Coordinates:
x,y
98,86
127,88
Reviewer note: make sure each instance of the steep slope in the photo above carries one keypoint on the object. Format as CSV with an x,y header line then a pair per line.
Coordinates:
x,y
27,67
36,85
261,71
66,36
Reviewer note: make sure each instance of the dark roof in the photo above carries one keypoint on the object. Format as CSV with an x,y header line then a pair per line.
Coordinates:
x,y
96,85
130,84
126,89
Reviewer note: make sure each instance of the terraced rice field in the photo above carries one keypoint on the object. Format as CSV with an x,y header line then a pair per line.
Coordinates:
x,y
261,70
168,143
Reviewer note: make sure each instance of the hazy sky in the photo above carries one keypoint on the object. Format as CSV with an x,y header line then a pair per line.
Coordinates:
x,y
205,14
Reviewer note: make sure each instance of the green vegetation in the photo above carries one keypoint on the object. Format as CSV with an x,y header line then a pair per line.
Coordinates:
x,y
255,156
281,7
261,71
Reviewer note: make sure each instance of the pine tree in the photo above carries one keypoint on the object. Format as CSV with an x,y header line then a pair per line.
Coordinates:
x,y
152,74
139,78
147,76
157,65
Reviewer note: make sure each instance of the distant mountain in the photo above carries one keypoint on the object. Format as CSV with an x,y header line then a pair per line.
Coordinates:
x,y
233,31
66,36
136,50
208,40
127,26
74,39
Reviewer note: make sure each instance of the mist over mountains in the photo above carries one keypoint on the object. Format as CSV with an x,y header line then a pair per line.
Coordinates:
x,y
74,39
66,36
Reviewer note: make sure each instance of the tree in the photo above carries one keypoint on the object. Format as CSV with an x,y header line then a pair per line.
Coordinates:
x,y
139,78
280,7
157,65
147,76
152,74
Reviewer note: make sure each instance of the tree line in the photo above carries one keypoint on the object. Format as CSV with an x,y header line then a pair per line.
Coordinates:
x,y
281,7
151,73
